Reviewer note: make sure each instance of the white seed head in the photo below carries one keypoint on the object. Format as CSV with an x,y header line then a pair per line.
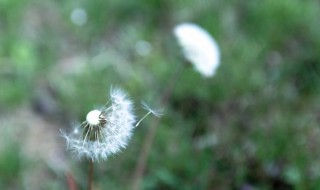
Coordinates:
x,y
198,47
105,131
93,117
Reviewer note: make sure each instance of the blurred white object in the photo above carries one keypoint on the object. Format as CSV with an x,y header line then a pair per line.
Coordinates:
x,y
78,16
143,48
105,131
199,48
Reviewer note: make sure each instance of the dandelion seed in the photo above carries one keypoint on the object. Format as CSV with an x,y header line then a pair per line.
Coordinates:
x,y
199,48
150,111
157,113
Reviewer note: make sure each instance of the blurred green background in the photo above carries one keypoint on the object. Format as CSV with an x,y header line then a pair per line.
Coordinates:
x,y
254,125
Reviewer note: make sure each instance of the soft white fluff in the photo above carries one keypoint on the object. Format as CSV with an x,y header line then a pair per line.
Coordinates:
x,y
198,47
113,134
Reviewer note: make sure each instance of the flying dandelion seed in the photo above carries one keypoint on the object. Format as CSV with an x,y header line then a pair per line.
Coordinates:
x,y
107,130
199,48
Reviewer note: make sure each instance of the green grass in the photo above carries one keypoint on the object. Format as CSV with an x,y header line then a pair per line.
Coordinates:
x,y
262,105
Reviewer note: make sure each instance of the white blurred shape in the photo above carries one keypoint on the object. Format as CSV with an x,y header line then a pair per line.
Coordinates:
x,y
78,16
198,47
143,48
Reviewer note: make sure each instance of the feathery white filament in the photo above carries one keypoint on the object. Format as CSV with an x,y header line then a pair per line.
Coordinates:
x,y
150,111
198,47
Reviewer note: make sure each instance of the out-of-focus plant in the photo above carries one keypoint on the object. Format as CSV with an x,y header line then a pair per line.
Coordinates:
x,y
203,52
105,131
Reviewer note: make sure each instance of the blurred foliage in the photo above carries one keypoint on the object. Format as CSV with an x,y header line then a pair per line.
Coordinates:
x,y
10,165
252,126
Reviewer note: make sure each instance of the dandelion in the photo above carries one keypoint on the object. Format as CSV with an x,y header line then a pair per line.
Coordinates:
x,y
105,131
198,47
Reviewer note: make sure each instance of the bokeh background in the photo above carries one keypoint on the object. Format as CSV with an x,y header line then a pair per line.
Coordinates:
x,y
254,125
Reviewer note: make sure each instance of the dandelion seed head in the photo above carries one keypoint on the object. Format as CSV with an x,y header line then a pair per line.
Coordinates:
x,y
105,131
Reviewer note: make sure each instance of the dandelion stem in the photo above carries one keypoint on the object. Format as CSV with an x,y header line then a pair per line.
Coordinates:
x,y
90,174
70,181
144,154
